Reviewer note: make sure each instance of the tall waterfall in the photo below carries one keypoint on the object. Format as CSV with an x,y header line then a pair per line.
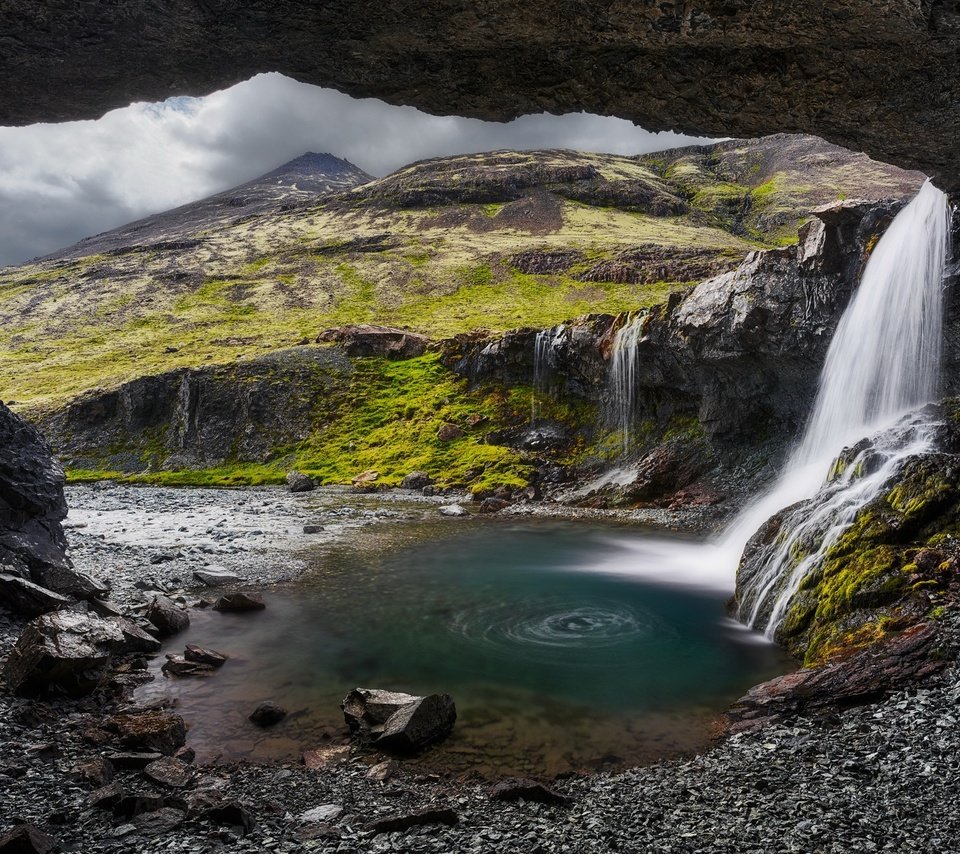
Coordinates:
x,y
623,371
883,362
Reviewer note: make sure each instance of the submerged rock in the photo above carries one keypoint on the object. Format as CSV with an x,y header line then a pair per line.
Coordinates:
x,y
267,714
397,722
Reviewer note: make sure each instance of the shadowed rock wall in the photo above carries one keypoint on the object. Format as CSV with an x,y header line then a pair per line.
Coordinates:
x,y
880,77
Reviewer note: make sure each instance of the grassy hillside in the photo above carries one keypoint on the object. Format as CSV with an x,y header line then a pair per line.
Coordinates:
x,y
446,246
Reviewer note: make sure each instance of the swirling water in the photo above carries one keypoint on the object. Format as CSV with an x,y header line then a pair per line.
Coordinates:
x,y
556,660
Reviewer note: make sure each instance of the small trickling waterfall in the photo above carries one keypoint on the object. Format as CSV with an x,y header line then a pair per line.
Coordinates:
x,y
883,362
623,370
544,359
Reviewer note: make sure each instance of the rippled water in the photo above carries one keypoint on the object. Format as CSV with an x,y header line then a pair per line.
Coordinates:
x,y
556,661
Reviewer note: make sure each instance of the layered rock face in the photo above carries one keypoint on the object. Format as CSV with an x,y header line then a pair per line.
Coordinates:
x,y
32,506
876,77
740,353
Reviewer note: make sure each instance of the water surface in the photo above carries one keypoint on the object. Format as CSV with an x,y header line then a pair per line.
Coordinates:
x,y
555,663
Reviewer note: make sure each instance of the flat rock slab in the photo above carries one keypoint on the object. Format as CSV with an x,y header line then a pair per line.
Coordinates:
x,y
201,655
406,821
178,665
322,813
215,577
132,760
170,772
28,598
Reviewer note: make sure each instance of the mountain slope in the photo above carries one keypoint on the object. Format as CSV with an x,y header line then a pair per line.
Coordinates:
x,y
443,247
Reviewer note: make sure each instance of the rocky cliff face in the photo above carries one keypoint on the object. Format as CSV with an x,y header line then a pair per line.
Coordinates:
x,y
878,77
32,506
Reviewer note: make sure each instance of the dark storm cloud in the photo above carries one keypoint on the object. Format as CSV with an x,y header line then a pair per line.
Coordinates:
x,y
59,183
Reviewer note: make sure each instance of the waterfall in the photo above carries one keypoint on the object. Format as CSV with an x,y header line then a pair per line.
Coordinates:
x,y
623,370
544,359
883,362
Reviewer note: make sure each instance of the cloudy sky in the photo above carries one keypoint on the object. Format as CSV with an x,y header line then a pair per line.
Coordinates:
x,y
62,182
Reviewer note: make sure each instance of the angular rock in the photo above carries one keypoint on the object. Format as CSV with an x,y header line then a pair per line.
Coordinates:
x,y
215,577
322,813
98,771
397,722
64,650
27,598
152,730
136,639
27,839
160,821
204,656
167,616
406,821
382,771
132,760
169,772
453,510
313,529
232,814
178,665
268,714
522,789
493,505
240,602
449,432
416,480
299,482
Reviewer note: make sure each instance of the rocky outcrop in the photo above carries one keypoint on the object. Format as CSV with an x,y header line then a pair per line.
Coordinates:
x,y
863,74
362,339
198,418
32,506
734,361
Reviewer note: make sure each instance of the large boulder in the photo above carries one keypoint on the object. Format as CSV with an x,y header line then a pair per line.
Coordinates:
x,y
362,339
65,651
32,506
149,730
398,722
167,616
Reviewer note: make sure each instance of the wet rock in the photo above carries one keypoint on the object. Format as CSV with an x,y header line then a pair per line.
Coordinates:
x,y
27,839
313,529
449,432
416,480
406,821
268,714
522,789
27,598
322,813
385,342
169,772
453,510
215,577
864,677
493,505
64,650
136,639
204,656
299,482
152,730
104,608
397,722
178,665
240,602
167,616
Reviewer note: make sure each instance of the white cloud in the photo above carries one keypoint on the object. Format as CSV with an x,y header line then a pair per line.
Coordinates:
x,y
62,182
